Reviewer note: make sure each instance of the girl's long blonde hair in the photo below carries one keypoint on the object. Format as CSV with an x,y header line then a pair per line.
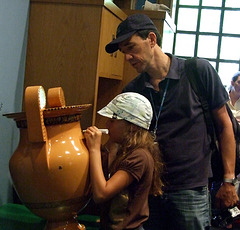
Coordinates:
x,y
134,138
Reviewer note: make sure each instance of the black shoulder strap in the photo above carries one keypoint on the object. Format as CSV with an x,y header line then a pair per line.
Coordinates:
x,y
199,88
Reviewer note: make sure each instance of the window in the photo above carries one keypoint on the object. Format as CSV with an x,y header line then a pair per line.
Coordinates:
x,y
209,29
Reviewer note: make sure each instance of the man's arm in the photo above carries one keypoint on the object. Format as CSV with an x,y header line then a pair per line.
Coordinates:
x,y
226,196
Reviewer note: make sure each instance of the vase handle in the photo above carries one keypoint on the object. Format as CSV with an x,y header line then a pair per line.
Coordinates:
x,y
35,103
55,97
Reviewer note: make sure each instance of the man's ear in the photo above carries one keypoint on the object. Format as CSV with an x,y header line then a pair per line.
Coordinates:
x,y
153,39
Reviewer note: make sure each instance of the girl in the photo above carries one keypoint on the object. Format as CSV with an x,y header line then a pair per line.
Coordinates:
x,y
122,185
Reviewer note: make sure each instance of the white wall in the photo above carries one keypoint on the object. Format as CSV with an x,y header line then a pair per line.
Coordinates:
x,y
13,39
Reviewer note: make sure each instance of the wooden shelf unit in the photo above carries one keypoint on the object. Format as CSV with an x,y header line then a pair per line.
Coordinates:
x,y
66,47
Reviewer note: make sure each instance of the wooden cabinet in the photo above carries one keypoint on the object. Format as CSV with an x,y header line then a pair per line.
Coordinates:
x,y
66,47
110,65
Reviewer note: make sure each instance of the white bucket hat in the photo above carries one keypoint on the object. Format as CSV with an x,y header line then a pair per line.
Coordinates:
x,y
132,107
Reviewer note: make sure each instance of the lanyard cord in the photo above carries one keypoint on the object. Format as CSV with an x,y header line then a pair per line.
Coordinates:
x,y
161,106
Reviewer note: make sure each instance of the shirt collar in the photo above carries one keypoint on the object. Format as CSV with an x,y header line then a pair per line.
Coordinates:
x,y
173,72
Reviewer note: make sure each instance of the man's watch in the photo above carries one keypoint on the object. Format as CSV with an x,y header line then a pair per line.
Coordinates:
x,y
231,181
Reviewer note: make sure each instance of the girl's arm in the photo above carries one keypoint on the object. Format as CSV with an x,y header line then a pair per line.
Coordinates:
x,y
103,190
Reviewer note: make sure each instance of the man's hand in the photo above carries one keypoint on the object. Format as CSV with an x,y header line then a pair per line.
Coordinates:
x,y
226,196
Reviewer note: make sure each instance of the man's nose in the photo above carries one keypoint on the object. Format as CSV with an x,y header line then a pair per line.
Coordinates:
x,y
128,57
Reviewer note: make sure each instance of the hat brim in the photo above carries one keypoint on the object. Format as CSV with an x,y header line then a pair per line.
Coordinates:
x,y
113,45
106,112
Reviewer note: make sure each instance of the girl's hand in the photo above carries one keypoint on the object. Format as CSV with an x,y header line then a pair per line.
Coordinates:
x,y
93,138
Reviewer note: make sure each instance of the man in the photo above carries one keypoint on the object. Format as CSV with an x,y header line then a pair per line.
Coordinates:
x,y
179,127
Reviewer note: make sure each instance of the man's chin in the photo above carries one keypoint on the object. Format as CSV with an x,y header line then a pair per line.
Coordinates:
x,y
139,70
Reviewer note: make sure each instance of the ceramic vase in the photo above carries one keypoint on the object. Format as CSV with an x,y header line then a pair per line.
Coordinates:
x,y
50,167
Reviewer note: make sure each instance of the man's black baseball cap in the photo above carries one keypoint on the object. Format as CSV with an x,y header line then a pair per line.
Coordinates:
x,y
128,27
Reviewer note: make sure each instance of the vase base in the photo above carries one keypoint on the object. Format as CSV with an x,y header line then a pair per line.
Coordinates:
x,y
64,225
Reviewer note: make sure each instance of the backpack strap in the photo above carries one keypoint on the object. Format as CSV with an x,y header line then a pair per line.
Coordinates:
x,y
199,88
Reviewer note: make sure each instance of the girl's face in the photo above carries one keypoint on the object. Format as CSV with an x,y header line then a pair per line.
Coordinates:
x,y
116,129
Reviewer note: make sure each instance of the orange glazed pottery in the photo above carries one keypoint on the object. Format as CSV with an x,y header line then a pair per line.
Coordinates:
x,y
50,167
